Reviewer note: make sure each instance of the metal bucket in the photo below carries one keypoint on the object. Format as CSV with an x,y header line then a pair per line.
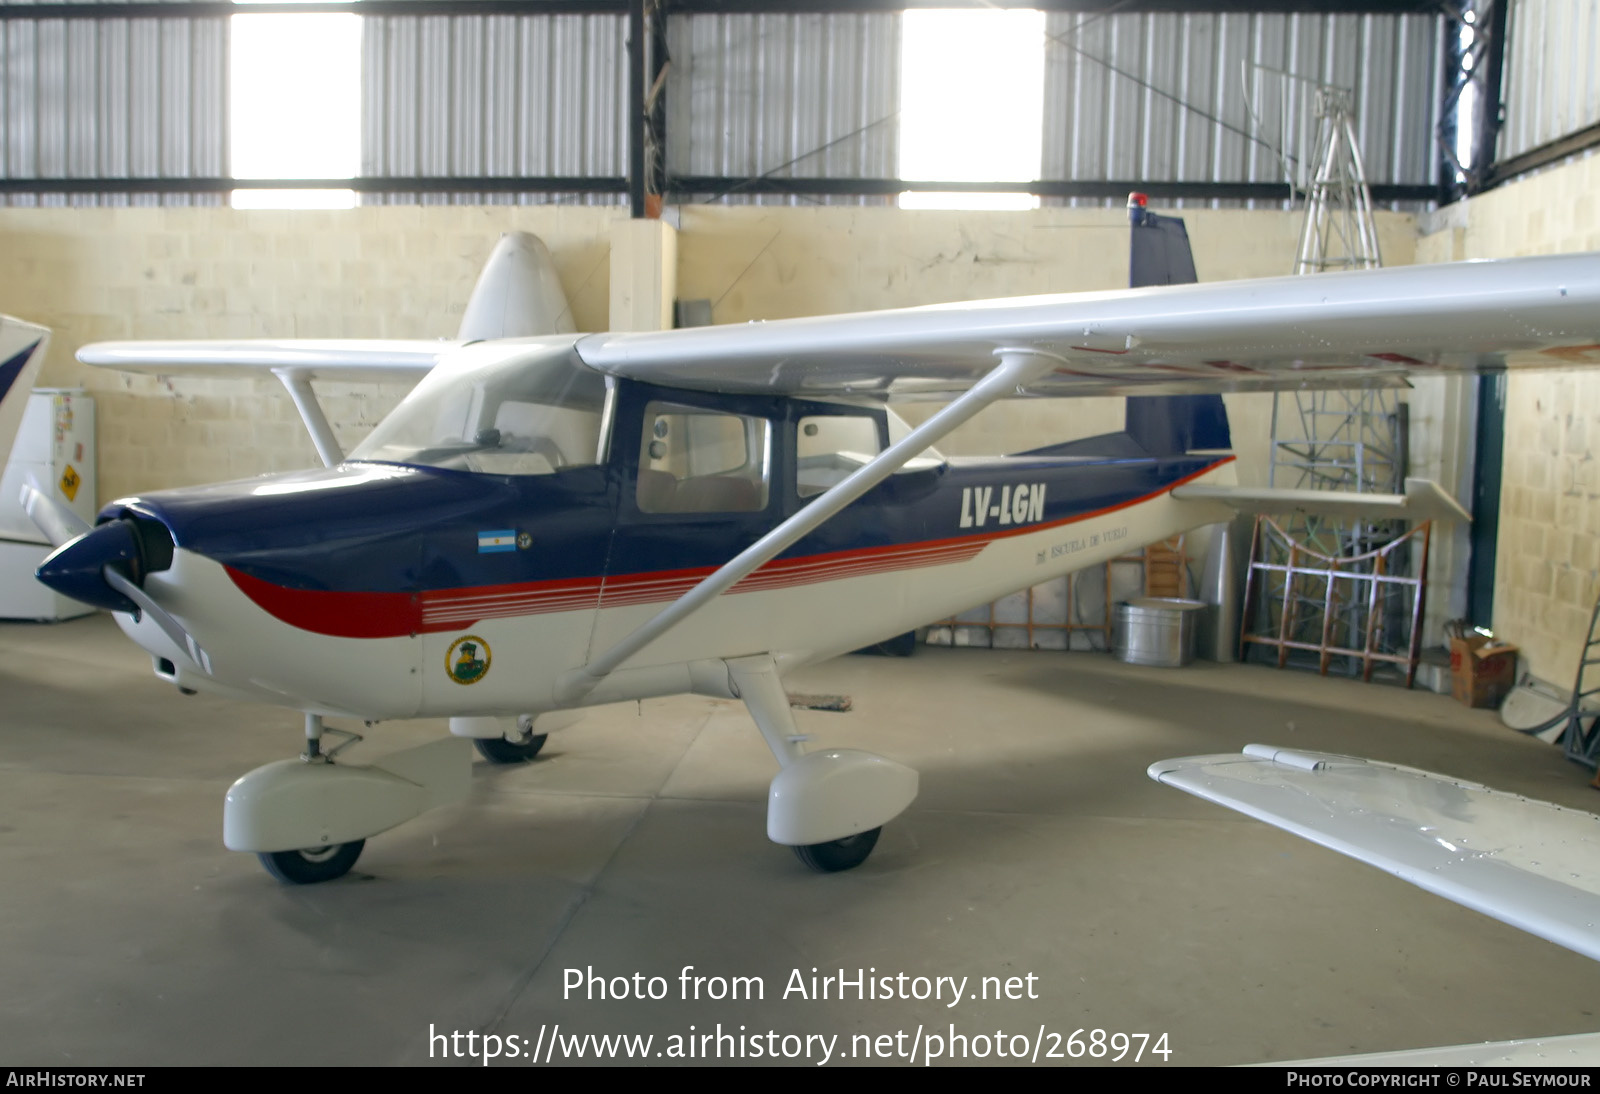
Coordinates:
x,y
1156,630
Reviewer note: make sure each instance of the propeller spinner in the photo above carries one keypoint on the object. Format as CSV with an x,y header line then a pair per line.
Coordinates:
x,y
106,565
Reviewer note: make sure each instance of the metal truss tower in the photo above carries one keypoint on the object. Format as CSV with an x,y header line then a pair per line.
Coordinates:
x,y
1338,440
1339,589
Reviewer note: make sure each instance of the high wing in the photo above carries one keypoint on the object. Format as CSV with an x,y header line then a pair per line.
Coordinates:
x,y
1361,328
1338,329
295,362
1526,863
346,359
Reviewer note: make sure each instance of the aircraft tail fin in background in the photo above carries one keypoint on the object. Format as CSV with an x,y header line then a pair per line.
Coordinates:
x,y
1159,425
1168,425
22,348
1159,252
518,294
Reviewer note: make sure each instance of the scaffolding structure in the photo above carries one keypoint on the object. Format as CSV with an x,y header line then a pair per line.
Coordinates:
x,y
1338,439
1351,440
1339,232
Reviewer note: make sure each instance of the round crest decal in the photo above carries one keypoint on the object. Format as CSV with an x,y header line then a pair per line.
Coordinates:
x,y
467,660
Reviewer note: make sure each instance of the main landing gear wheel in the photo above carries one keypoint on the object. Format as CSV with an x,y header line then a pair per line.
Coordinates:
x,y
839,854
498,750
313,864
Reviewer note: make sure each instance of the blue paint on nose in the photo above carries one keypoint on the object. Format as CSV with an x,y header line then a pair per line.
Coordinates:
x,y
133,545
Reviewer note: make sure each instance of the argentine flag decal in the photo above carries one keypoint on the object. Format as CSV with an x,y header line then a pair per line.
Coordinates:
x,y
503,540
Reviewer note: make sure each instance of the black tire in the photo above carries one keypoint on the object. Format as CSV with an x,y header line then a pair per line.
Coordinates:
x,y
839,854
498,750
313,864
901,645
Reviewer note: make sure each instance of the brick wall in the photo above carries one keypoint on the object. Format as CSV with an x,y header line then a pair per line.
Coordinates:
x,y
1547,571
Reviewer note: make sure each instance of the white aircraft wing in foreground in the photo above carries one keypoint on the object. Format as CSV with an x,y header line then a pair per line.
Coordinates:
x,y
1527,863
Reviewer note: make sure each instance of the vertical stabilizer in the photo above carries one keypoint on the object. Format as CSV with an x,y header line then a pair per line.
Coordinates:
x,y
1168,425
1159,251
22,347
518,294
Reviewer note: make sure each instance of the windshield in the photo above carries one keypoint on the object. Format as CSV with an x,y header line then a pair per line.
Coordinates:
x,y
500,408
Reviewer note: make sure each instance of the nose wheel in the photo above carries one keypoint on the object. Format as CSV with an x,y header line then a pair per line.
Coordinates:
x,y
313,864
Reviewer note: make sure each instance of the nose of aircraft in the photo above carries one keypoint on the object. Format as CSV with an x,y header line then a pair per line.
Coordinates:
x,y
131,546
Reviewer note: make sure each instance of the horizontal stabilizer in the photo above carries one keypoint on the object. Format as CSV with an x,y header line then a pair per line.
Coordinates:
x,y
1424,499
1526,863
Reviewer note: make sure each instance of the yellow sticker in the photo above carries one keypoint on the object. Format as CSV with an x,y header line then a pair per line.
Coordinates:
x,y
69,483
467,659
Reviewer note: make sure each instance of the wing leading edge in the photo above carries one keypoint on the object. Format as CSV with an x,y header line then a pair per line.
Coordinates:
x,y
1339,329
1526,863
346,359
1355,329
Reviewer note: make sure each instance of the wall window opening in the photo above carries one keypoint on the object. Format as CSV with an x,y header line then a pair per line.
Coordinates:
x,y
294,106
971,104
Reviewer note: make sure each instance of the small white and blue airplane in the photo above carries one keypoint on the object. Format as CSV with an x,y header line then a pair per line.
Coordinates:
x,y
551,521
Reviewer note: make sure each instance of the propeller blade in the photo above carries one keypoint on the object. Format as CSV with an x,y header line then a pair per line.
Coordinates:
x,y
58,523
163,619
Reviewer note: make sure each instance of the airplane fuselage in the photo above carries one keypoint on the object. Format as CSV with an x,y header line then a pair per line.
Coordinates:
x,y
383,591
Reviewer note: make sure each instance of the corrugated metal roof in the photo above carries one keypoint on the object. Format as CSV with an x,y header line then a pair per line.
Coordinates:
x,y
112,98
1551,85
786,96
494,95
1204,97
1153,97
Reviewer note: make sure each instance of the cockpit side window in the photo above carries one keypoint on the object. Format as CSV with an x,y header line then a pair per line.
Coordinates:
x,y
828,447
696,460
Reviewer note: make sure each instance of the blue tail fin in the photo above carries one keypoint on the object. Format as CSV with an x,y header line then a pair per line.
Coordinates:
x,y
1168,425
22,348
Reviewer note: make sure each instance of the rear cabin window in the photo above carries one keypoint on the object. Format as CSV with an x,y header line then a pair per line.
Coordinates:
x,y
694,460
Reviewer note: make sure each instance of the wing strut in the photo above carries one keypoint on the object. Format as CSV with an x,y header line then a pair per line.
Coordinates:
x,y
305,401
1017,369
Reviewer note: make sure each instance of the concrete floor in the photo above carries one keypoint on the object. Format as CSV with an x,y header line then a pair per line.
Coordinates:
x,y
129,936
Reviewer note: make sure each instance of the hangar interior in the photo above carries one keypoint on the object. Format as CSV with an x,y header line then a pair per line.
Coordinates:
x,y
751,158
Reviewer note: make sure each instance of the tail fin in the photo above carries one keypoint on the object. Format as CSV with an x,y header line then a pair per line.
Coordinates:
x,y
1159,252
22,347
518,294
1168,425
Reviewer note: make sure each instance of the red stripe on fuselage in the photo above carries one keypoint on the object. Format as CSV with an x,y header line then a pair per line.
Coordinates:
x,y
330,612
398,615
